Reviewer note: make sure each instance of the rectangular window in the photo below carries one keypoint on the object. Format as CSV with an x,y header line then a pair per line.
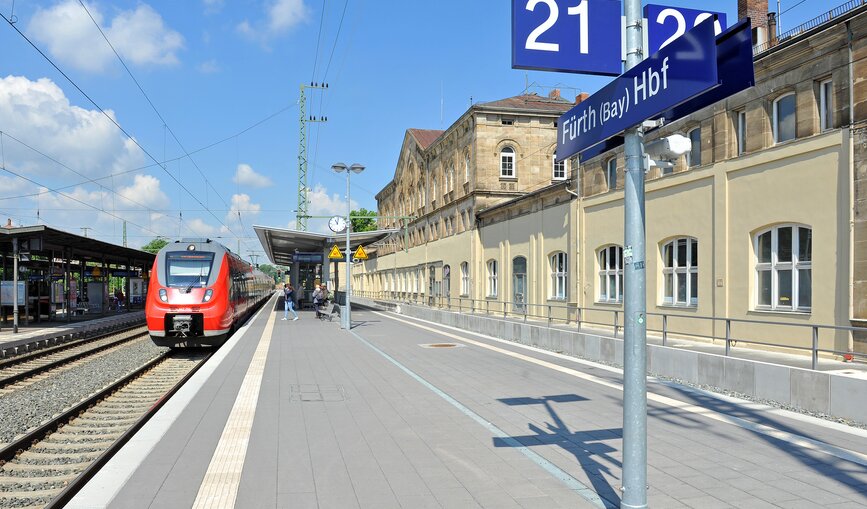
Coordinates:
x,y
559,169
492,278
693,157
559,273
186,269
784,118
784,269
465,279
611,274
611,173
826,104
680,272
741,126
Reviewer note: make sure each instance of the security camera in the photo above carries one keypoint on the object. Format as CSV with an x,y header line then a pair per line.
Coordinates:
x,y
664,151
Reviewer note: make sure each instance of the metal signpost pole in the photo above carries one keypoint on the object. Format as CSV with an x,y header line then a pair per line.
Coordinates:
x,y
347,321
635,306
15,256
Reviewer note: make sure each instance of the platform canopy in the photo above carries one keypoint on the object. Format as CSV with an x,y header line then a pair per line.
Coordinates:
x,y
44,241
281,244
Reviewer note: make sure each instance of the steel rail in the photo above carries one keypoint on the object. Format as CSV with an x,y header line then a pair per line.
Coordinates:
x,y
6,381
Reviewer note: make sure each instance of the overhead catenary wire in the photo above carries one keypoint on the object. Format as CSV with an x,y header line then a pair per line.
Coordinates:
x,y
165,161
112,120
165,124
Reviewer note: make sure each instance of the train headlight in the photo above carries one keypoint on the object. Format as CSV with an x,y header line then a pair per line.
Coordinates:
x,y
208,294
164,296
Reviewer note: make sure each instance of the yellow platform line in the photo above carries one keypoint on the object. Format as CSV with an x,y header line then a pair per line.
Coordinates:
x,y
219,488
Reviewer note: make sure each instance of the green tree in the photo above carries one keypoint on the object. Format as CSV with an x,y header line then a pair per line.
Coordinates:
x,y
155,245
362,221
268,269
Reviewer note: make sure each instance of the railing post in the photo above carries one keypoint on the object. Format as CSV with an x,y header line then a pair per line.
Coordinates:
x,y
549,316
616,322
579,319
815,347
728,336
472,306
504,310
525,313
487,307
664,329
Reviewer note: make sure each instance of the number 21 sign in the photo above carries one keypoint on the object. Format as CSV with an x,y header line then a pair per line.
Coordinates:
x,y
567,36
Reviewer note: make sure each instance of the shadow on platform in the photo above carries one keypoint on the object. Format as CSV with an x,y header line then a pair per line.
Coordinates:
x,y
586,446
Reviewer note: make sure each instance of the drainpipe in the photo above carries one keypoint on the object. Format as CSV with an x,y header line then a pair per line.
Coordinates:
x,y
850,37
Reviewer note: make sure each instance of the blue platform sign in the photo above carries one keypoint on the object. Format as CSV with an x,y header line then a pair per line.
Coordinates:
x,y
580,36
734,63
665,24
684,69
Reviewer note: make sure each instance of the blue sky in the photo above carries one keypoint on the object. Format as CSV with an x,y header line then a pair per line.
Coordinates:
x,y
213,70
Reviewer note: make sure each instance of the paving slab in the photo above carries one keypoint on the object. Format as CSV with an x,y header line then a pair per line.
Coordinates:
x,y
371,418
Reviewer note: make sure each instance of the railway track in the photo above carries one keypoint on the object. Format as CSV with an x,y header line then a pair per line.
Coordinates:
x,y
30,366
48,465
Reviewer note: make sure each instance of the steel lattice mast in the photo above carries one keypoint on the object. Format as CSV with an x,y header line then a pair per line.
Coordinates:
x,y
301,214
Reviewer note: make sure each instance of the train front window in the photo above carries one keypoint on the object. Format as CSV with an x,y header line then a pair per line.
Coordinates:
x,y
188,270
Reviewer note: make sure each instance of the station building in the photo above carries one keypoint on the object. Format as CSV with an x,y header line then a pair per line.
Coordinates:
x,y
765,220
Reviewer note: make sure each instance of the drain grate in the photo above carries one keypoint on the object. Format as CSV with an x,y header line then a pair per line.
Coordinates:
x,y
312,392
441,345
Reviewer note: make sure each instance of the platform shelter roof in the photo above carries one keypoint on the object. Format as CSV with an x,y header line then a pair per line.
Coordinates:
x,y
46,241
281,244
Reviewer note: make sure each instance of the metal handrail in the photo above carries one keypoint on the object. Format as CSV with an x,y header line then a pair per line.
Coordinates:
x,y
579,317
813,23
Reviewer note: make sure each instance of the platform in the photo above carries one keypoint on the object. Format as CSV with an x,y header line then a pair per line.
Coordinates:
x,y
304,414
38,332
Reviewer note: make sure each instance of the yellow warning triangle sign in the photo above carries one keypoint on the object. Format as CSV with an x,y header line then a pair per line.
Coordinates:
x,y
335,253
360,254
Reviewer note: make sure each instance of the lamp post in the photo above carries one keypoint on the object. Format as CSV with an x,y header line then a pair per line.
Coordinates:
x,y
340,168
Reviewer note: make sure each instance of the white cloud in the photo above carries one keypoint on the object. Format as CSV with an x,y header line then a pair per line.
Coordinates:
x,y
280,17
140,36
323,204
245,175
209,67
199,228
38,113
241,204
145,191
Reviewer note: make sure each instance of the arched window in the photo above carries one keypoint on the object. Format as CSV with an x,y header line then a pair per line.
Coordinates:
x,y
507,162
611,274
466,167
465,279
433,194
784,118
559,168
784,265
492,278
611,173
559,275
680,272
693,157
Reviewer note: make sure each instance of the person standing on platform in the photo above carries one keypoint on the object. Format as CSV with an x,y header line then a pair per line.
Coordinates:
x,y
289,301
317,299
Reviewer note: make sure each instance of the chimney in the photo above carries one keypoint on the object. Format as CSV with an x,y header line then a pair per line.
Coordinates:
x,y
757,11
554,94
772,28
9,223
581,97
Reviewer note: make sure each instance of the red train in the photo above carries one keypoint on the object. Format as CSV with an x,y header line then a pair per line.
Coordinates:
x,y
200,292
